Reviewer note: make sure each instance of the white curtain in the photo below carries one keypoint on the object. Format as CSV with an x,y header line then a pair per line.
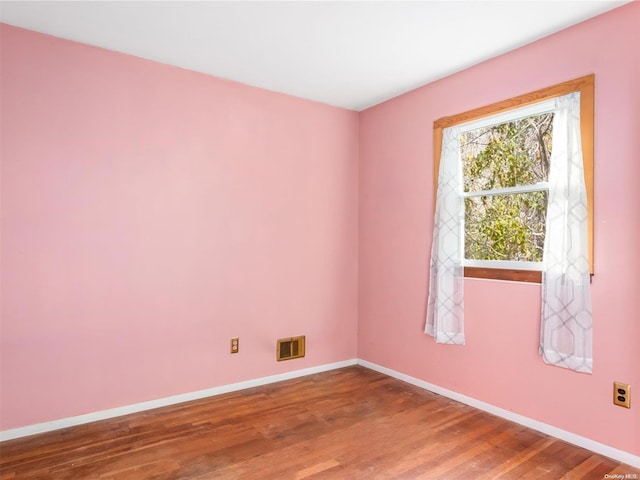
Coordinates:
x,y
445,308
566,327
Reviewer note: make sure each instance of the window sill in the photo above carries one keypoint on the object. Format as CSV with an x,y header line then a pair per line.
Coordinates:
x,y
529,276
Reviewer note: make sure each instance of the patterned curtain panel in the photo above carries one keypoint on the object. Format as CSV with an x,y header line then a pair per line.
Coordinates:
x,y
566,326
445,308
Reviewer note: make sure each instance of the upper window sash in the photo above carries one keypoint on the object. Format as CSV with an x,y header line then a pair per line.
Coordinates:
x,y
514,115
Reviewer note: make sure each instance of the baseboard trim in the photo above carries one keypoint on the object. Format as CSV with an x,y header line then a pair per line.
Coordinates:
x,y
580,441
163,402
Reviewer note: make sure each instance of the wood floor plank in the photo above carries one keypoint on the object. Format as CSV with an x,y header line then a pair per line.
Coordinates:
x,y
517,459
351,423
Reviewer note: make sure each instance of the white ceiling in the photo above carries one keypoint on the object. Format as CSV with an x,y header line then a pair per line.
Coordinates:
x,y
349,54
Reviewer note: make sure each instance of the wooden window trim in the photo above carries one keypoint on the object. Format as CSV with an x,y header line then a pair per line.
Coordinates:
x,y
586,86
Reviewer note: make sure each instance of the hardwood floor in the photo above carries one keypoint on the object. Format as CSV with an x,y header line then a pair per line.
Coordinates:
x,y
351,423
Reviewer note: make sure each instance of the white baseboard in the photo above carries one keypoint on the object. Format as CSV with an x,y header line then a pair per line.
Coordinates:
x,y
597,447
163,402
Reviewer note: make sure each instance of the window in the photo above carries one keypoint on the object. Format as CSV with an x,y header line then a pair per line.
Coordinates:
x,y
505,152
505,168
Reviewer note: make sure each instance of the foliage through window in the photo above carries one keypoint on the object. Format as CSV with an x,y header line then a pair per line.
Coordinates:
x,y
505,173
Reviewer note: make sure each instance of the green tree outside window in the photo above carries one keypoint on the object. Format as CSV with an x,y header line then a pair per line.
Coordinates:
x,y
501,225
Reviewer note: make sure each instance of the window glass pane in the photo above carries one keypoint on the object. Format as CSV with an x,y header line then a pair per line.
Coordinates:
x,y
505,227
507,155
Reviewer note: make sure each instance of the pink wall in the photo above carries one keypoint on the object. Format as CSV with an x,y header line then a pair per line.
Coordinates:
x,y
500,365
151,213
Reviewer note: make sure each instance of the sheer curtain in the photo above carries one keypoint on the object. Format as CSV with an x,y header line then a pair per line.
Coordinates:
x,y
445,308
566,326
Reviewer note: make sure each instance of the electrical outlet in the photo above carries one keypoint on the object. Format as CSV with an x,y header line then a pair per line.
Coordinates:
x,y
235,345
622,394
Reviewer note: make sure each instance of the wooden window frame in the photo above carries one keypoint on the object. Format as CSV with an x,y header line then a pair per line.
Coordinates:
x,y
586,86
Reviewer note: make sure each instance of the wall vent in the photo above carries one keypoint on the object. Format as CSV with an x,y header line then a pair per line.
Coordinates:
x,y
290,348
